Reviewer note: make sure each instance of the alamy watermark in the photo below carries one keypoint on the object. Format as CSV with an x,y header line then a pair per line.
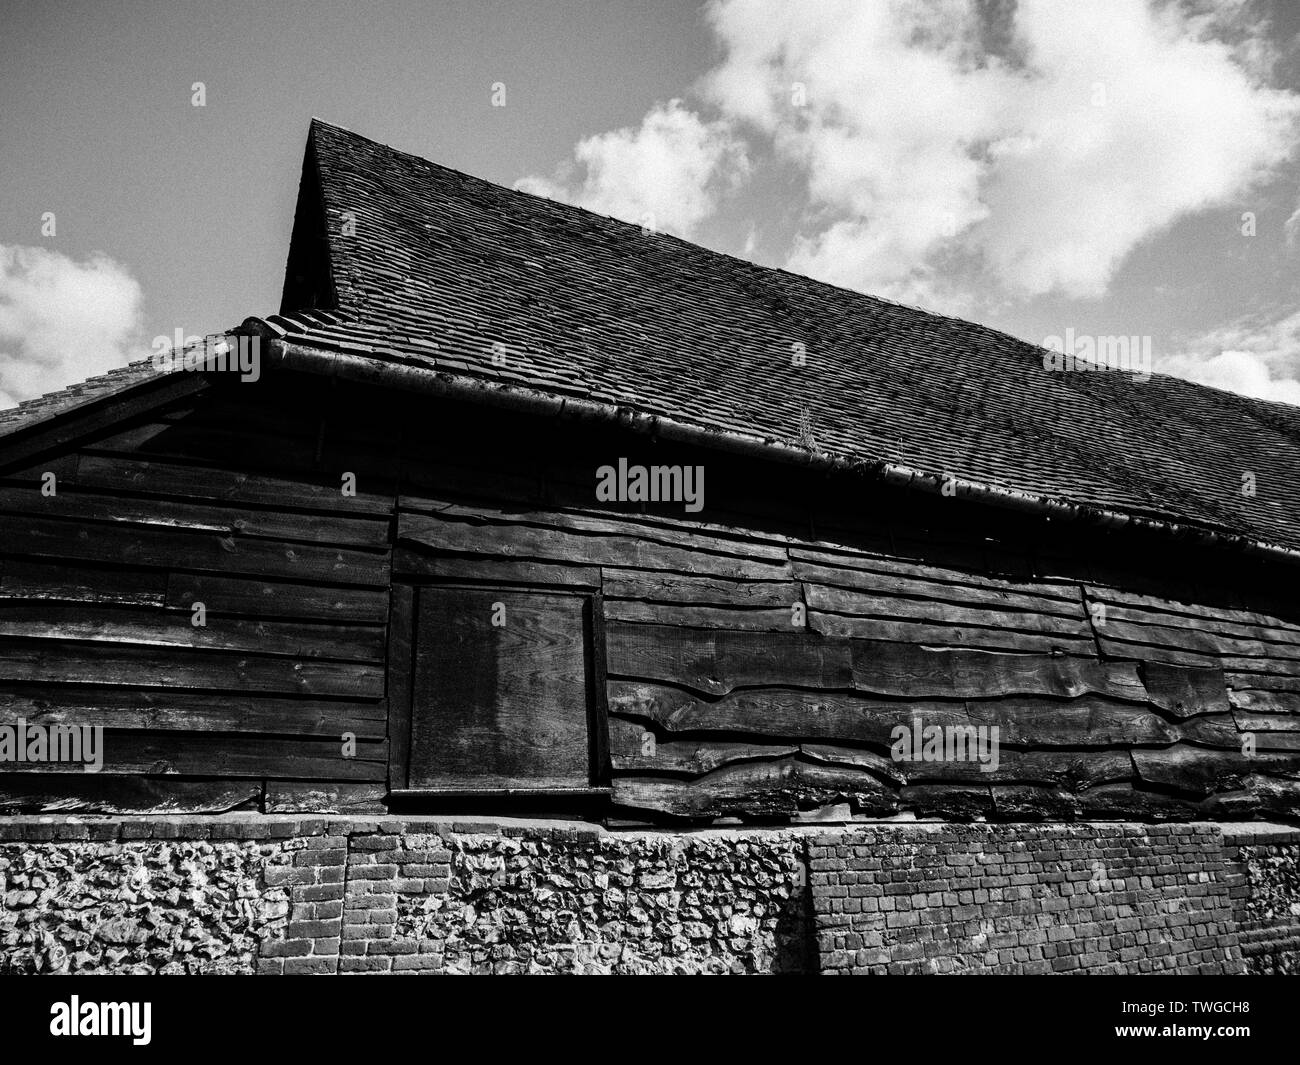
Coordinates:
x,y
651,484
946,743
218,354
22,742
1082,353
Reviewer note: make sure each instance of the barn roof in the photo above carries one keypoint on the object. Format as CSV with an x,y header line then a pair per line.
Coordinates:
x,y
431,268
407,272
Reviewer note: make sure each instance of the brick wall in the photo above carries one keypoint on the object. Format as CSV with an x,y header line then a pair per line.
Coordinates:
x,y
243,893
1107,898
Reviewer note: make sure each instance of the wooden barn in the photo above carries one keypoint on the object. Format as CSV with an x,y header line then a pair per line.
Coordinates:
x,y
527,508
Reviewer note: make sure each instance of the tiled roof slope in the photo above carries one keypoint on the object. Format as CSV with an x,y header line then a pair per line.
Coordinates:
x,y
66,400
442,267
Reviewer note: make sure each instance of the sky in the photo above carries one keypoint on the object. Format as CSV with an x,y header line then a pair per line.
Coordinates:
x,y
1110,168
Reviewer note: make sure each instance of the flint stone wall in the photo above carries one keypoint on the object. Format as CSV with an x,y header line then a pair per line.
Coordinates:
x,y
243,893
1264,862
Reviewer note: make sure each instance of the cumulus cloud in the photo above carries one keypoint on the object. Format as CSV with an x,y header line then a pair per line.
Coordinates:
x,y
62,320
1042,142
1261,360
665,174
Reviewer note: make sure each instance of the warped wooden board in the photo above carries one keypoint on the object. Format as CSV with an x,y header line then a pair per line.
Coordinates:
x,y
1236,636
1149,652
1073,770
1126,800
298,797
143,626
163,667
778,713
1185,690
1211,730
631,752
889,566
25,579
1036,802
211,754
306,492
700,617
871,583
135,545
1250,721
860,604
167,710
1197,640
1265,702
238,595
957,802
880,765
1262,681
951,636
414,563
702,537
555,545
1088,721
48,793
1199,770
759,789
1199,611
717,662
698,591
359,531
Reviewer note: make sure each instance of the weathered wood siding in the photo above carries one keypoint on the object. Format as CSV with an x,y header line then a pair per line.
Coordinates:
x,y
756,655
771,643
231,499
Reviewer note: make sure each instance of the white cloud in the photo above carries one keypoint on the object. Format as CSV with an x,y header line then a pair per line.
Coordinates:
x,y
1292,228
666,173
1258,360
919,142
61,321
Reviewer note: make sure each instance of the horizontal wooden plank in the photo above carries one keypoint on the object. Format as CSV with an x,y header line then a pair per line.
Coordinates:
x,y
718,662
1244,631
699,617
87,793
167,710
554,545
319,492
127,753
236,595
159,667
296,797
360,531
1191,638
1000,595
777,712
863,605
415,563
132,545
699,536
893,567
956,636
1265,702
698,591
1126,598
143,626
631,752
1185,690
779,787
24,579
1088,721
1199,771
